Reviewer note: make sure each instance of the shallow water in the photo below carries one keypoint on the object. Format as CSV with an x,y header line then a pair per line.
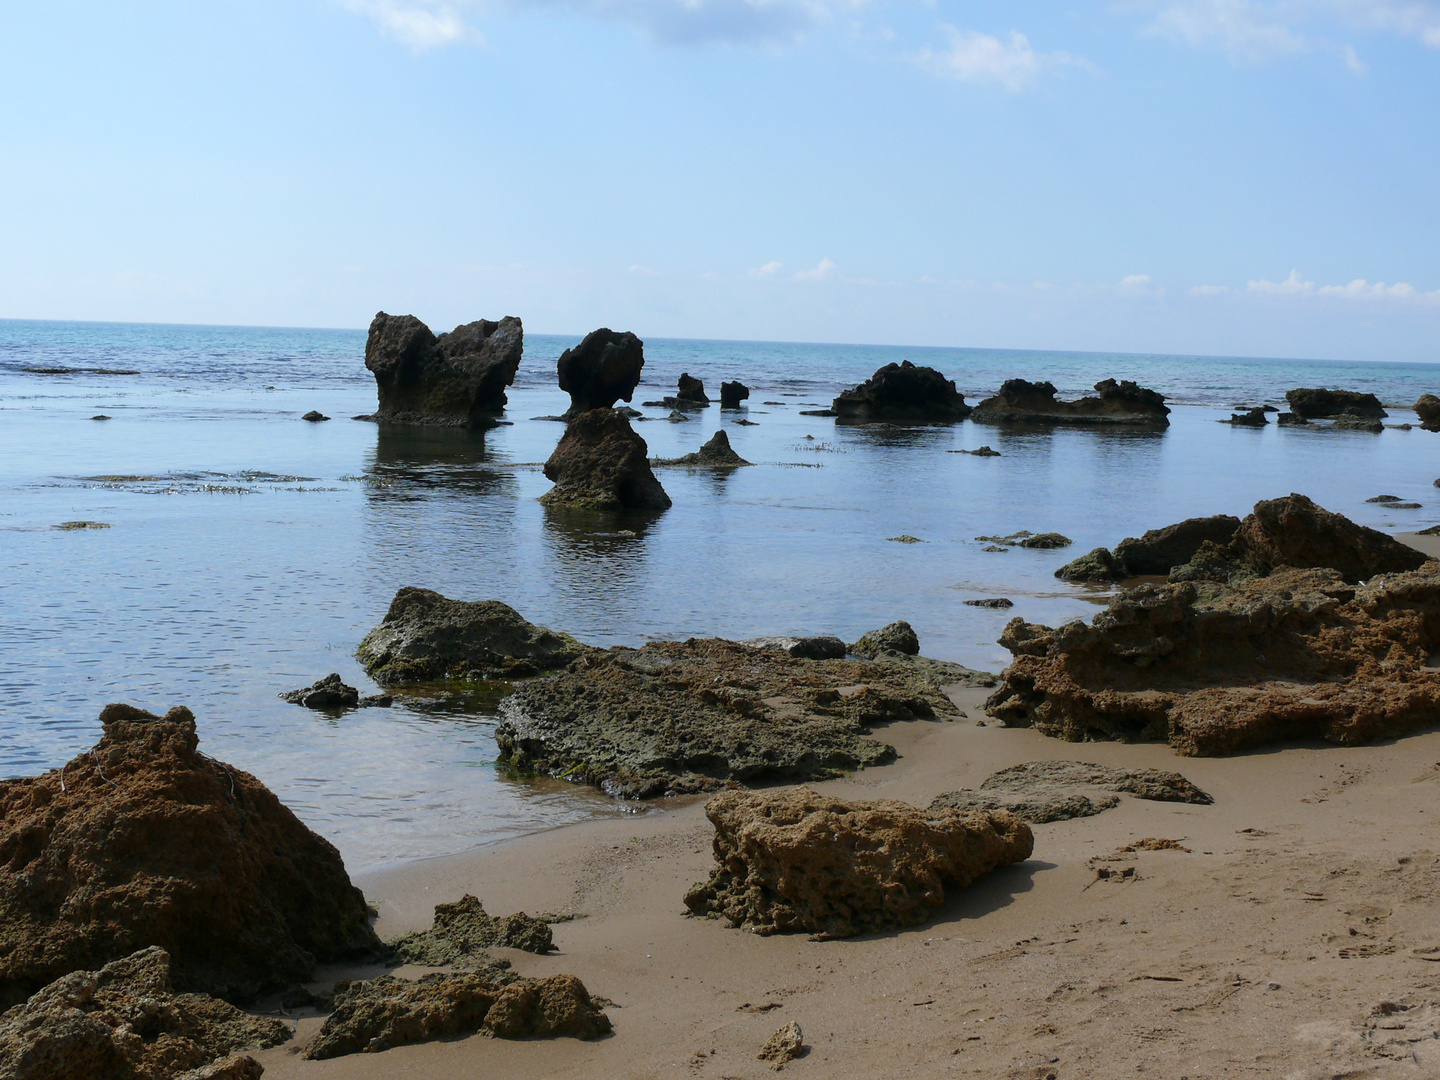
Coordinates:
x,y
248,552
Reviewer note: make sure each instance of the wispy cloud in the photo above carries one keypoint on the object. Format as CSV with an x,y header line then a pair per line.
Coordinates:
x,y
823,272
1359,289
770,269
972,56
1243,29
418,24
1293,284
1208,290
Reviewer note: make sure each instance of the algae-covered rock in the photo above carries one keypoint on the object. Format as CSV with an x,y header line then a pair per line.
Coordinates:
x,y
1043,791
714,454
463,930
897,637
1157,551
600,463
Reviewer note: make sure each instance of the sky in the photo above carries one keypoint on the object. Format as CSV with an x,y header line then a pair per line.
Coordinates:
x,y
1224,177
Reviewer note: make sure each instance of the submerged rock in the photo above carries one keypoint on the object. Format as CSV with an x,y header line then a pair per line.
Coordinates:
x,y
1427,408
984,451
991,602
795,860
1156,551
682,716
463,930
1022,402
732,394
602,464
426,637
457,378
145,841
1357,423
380,1013
314,416
1290,419
1318,403
714,454
125,1022
601,370
902,393
1043,791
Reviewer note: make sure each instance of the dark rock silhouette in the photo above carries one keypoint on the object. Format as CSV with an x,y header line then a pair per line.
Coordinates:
x,y
1427,408
902,393
1157,551
1313,403
602,464
603,369
732,394
1250,418
715,454
456,378
1022,402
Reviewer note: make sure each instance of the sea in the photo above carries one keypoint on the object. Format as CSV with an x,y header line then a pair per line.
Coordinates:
x,y
245,552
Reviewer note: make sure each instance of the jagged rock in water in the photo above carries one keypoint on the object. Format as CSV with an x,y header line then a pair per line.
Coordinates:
x,y
1046,541
1098,565
714,454
456,378
902,393
144,841
689,394
897,637
314,416
675,717
1290,419
1357,423
795,860
732,394
601,370
1043,791
375,1015
823,647
1293,531
426,637
602,464
125,1022
327,693
462,931
1427,408
1216,669
1156,551
1250,418
1318,403
984,451
991,602
1022,402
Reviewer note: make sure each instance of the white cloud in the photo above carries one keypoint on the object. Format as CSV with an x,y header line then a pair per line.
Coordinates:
x,y
822,272
1353,62
1291,285
975,57
1359,289
1209,290
1243,29
1409,18
419,24
770,269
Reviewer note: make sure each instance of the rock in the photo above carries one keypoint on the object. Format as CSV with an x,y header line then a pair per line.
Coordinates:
x,y
1357,423
144,841
314,417
823,647
1157,551
676,416
732,394
991,602
1427,408
1252,418
1313,403
601,370
602,464
714,454
463,930
902,393
904,538
426,637
1046,541
994,547
743,422
795,860
457,378
631,414
897,637
1013,538
80,526
1098,566
1290,419
1023,402
787,1044
984,451
327,693
375,1015
675,717
125,1022
1216,669
1044,791
1384,499
100,416
689,394
818,412
1293,531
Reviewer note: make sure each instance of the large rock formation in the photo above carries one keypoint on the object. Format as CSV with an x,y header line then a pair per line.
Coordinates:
x,y
795,860
457,378
125,1022
683,716
903,393
1043,791
1023,402
1156,551
1216,669
715,454
601,370
602,464
732,394
1315,402
380,1013
145,841
426,637
1427,408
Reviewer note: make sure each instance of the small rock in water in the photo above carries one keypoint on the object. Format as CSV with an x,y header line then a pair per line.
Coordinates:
x,y
1384,499
817,412
991,602
732,394
314,417
1013,538
994,547
1046,541
1253,418
1289,419
787,1044
100,416
676,416
327,693
905,538
73,526
746,423
984,451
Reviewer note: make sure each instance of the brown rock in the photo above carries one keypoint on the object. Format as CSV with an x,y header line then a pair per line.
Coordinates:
x,y
1427,408
787,1044
602,464
457,378
144,841
1156,551
1315,402
464,929
1044,791
796,860
714,454
902,393
601,370
692,390
1023,402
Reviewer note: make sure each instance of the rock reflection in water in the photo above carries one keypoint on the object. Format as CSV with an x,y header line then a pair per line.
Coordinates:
x,y
416,462
583,544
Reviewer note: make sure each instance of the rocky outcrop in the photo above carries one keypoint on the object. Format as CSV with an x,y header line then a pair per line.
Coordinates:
x,y
1357,423
1047,541
601,370
1293,531
715,454
1023,402
823,647
1427,408
732,394
1216,669
1043,791
680,716
1319,403
145,841
795,860
1290,419
462,931
1156,551
380,1013
689,394
903,393
331,694
426,637
898,645
125,1022
456,378
314,416
1249,418
602,464
898,637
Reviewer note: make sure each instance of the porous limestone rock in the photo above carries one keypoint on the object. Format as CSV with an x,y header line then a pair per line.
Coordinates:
x,y
897,637
1022,402
787,1044
903,393
715,454
463,930
1317,402
795,860
1042,791
603,369
602,464
821,647
1156,551
1427,408
456,378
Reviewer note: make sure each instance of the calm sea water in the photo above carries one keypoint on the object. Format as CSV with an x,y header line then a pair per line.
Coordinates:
x,y
248,552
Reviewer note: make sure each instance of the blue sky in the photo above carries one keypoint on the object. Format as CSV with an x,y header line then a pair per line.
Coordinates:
x,y
1210,176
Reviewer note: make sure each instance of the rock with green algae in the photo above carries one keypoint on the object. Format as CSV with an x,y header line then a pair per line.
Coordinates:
x,y
601,464
462,931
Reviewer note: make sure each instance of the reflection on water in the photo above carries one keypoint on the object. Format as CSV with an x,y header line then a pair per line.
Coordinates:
x,y
416,462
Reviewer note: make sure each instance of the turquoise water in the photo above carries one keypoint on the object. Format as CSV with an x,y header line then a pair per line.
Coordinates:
x,y
249,552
